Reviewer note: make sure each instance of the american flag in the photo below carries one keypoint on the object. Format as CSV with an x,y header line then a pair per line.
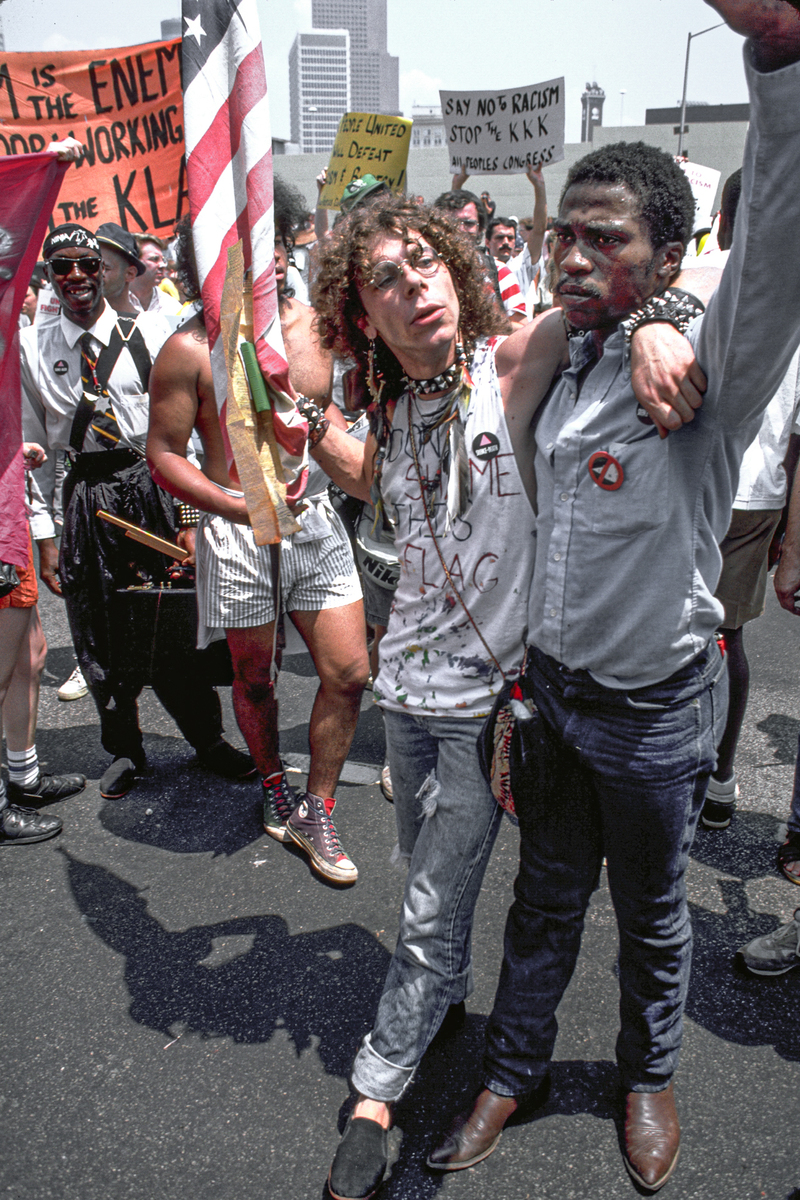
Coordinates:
x,y
229,171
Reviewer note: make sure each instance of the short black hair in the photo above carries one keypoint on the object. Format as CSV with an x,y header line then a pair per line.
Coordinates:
x,y
731,194
666,203
290,210
185,262
455,201
495,221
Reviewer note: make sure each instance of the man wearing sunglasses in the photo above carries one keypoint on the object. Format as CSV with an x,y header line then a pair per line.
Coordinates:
x,y
85,390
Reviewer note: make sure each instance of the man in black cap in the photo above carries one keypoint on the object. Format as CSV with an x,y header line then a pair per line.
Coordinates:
x,y
121,265
85,390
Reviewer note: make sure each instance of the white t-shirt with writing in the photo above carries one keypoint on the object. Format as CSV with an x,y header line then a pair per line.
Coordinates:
x,y
432,660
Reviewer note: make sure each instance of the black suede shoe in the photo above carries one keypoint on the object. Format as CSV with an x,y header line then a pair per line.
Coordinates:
x,y
118,779
47,789
360,1162
18,826
225,760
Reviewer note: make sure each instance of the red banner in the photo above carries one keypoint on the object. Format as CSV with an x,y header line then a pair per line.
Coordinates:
x,y
125,106
28,190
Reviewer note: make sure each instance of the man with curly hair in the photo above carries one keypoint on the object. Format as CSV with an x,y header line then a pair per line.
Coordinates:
x,y
450,457
319,585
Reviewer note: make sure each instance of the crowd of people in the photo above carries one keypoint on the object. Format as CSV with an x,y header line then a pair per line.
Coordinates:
x,y
561,452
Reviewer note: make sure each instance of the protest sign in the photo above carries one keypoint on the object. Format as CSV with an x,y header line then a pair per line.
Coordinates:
x,y
503,133
367,144
125,106
704,182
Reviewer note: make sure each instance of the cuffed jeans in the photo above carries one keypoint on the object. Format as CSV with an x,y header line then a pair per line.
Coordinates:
x,y
447,822
627,780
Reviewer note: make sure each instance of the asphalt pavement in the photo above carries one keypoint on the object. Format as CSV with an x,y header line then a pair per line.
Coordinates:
x,y
183,997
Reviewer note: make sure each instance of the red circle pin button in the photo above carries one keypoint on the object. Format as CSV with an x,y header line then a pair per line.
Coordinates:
x,y
606,471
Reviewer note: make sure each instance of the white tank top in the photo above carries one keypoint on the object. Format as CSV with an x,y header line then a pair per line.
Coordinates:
x,y
431,658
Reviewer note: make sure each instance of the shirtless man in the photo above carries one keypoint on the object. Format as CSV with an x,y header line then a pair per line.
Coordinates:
x,y
320,589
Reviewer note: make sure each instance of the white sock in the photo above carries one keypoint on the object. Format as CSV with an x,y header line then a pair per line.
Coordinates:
x,y
23,766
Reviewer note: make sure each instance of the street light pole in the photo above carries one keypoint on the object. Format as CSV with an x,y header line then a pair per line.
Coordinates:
x,y
686,80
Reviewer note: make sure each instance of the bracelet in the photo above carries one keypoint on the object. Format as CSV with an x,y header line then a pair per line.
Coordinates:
x,y
318,423
188,517
674,306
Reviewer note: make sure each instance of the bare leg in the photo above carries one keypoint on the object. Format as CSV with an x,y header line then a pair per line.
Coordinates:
x,y
254,700
21,703
14,623
336,639
738,690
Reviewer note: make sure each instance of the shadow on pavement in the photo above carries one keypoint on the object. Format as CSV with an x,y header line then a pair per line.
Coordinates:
x,y
242,979
186,810
726,1000
782,732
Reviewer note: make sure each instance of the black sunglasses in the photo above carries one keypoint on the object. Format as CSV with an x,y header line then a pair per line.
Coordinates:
x,y
89,265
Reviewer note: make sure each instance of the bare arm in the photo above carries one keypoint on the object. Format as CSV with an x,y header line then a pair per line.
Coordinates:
x,y
177,389
349,462
787,576
534,237
321,214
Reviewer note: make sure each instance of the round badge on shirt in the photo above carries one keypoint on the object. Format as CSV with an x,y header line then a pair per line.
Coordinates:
x,y
60,367
606,471
486,446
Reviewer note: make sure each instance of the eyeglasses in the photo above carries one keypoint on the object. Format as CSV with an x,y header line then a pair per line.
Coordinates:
x,y
421,259
89,265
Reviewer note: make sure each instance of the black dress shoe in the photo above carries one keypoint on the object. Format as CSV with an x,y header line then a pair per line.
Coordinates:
x,y
118,779
360,1162
18,826
652,1137
47,789
474,1135
225,760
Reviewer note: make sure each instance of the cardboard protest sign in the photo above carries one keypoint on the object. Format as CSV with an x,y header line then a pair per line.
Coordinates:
x,y
367,144
125,106
503,133
704,182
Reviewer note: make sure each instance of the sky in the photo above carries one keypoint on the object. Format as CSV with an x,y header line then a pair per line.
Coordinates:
x,y
634,49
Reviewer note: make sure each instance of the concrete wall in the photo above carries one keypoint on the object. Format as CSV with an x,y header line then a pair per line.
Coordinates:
x,y
718,145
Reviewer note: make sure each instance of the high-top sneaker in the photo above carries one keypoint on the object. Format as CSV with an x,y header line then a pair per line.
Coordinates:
x,y
311,827
279,804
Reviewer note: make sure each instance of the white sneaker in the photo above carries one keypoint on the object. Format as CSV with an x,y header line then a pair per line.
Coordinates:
x,y
74,687
386,784
720,803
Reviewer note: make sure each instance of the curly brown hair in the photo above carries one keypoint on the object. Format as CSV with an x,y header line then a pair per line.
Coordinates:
x,y
345,264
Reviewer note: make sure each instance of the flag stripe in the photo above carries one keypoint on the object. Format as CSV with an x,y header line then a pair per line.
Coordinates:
x,y
229,171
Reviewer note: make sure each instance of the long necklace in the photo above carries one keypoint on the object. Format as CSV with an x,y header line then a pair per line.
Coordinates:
x,y
423,486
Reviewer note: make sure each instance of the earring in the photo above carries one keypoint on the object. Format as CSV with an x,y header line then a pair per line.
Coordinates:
x,y
375,379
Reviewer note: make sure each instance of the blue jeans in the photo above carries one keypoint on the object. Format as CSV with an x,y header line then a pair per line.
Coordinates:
x,y
627,780
447,822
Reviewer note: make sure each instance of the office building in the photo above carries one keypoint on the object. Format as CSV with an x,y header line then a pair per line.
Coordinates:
x,y
319,88
374,73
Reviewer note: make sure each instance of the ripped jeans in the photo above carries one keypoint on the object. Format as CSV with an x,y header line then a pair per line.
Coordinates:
x,y
447,822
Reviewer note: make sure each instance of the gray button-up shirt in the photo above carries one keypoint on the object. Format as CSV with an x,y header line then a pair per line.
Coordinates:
x,y
628,528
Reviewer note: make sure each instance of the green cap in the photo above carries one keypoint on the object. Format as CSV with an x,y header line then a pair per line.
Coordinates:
x,y
358,191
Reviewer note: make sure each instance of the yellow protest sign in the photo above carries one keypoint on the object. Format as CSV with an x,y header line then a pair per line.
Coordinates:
x,y
367,144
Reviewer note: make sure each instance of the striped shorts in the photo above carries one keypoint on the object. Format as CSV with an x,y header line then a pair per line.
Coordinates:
x,y
234,577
